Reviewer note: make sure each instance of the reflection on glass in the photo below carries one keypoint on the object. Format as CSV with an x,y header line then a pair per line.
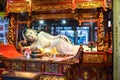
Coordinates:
x,y
79,36
4,23
83,34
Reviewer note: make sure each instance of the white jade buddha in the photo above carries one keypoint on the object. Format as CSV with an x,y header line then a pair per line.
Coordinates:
x,y
48,42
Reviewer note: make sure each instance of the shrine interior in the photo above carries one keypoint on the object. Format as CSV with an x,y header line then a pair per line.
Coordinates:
x,y
56,39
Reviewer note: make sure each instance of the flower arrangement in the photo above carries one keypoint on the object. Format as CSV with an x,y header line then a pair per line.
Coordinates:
x,y
92,45
54,52
27,52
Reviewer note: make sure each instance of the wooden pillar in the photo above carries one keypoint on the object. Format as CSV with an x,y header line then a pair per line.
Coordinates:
x,y
116,37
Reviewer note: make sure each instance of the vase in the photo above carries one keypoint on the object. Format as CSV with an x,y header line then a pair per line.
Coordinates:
x,y
91,49
28,56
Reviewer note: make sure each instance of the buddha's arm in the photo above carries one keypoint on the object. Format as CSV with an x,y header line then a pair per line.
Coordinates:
x,y
48,36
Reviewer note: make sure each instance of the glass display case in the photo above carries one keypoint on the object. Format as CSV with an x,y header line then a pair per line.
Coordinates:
x,y
77,34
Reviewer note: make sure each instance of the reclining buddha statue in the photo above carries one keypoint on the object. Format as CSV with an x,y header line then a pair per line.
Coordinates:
x,y
48,42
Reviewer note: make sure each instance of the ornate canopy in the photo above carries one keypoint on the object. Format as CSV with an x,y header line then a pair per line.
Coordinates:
x,y
54,6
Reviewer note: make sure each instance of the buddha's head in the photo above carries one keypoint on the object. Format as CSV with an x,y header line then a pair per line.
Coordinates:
x,y
30,35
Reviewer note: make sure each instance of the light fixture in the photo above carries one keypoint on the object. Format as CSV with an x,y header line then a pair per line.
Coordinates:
x,y
109,23
41,22
63,21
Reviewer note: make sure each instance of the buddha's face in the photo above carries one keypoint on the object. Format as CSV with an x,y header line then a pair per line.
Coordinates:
x,y
31,35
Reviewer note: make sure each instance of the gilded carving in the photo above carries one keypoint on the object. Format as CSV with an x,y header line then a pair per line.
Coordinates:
x,y
51,68
90,58
17,65
85,75
19,9
18,6
54,16
89,15
86,5
100,45
47,77
51,7
32,66
11,34
49,1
